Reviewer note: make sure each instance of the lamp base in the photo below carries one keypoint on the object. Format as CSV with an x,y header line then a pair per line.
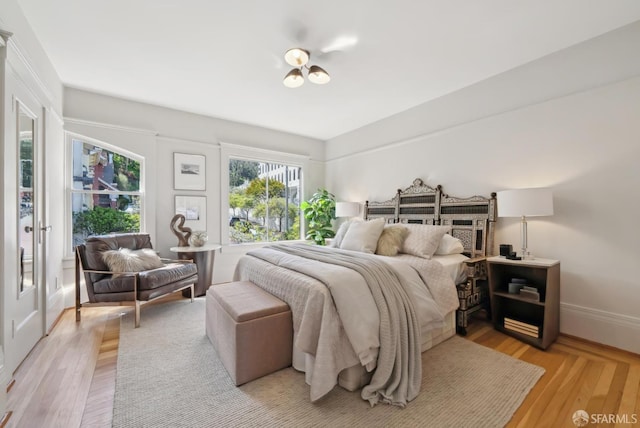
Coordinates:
x,y
527,256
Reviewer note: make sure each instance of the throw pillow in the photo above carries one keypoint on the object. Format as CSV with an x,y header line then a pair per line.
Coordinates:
x,y
449,245
363,236
342,231
391,240
126,260
423,239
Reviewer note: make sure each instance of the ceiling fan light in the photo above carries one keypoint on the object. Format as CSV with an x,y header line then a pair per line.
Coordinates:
x,y
293,79
318,75
296,57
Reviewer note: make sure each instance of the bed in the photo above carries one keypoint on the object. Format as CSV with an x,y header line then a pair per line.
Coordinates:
x,y
362,320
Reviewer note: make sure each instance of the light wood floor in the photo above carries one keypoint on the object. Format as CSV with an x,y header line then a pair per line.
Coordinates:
x,y
68,379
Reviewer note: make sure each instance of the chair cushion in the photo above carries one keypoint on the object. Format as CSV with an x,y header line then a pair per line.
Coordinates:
x,y
169,273
149,280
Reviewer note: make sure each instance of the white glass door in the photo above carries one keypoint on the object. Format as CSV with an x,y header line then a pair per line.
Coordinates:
x,y
24,302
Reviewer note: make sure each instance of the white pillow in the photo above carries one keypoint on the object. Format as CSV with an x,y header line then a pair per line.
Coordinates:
x,y
423,239
363,236
449,245
391,239
342,231
126,260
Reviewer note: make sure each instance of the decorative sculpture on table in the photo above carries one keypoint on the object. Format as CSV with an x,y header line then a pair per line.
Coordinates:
x,y
180,230
198,238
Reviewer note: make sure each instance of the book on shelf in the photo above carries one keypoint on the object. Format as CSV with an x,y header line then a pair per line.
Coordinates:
x,y
521,330
514,287
530,330
531,295
521,326
521,323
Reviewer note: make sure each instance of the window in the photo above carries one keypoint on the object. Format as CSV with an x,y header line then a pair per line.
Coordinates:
x,y
106,193
264,201
25,199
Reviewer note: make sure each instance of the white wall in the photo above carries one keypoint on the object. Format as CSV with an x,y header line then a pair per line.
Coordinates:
x,y
569,121
156,133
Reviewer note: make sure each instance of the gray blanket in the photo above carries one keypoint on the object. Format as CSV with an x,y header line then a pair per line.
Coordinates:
x,y
396,379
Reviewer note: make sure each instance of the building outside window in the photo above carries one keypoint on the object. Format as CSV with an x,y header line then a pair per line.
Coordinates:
x,y
264,201
106,195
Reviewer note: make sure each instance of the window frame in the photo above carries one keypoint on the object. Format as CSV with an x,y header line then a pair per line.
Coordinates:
x,y
235,151
69,138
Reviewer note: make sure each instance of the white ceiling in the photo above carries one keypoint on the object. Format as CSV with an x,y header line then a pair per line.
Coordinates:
x,y
225,58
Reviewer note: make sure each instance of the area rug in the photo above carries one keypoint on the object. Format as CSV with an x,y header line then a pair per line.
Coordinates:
x,y
169,375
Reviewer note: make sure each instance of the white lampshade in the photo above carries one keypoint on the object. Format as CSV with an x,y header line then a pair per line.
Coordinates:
x,y
293,79
525,202
296,57
318,76
347,209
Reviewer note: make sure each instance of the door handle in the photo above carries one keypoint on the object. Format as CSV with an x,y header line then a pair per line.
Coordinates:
x,y
42,229
28,229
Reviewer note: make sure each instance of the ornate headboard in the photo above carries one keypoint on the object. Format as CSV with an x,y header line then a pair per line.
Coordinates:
x,y
472,220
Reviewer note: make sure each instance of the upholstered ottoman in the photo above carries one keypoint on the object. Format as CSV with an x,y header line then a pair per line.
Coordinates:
x,y
251,329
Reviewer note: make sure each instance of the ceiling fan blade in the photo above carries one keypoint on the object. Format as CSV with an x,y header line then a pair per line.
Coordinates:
x,y
296,31
278,63
340,43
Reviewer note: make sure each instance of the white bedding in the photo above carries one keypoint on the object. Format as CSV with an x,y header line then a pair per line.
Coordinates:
x,y
454,265
319,332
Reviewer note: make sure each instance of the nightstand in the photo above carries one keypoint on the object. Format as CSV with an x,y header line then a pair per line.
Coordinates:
x,y
532,313
473,294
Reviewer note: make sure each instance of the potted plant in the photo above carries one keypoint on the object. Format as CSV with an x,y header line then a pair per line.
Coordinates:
x,y
320,210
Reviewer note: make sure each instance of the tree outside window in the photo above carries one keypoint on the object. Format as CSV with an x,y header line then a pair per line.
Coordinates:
x,y
264,203
105,194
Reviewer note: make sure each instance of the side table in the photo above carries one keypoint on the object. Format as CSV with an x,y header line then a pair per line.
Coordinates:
x,y
204,258
533,318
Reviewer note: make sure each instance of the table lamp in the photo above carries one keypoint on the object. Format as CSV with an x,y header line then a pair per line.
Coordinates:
x,y
347,209
525,203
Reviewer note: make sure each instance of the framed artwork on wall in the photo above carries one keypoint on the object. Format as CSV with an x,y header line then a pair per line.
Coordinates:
x,y
194,210
189,172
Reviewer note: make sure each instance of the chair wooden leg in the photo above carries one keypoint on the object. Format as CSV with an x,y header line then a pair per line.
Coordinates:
x,y
192,292
137,313
78,305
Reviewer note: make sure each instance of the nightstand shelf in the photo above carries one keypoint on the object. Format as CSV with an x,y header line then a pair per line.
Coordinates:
x,y
516,297
532,321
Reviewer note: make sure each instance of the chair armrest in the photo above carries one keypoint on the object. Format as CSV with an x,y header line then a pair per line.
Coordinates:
x,y
108,272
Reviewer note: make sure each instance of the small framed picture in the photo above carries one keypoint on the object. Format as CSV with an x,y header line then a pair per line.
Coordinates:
x,y
194,210
189,172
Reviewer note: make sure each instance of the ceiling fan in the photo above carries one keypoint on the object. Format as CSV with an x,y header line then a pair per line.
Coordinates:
x,y
299,58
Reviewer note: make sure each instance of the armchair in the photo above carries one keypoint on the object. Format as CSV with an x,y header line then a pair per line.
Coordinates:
x,y
106,286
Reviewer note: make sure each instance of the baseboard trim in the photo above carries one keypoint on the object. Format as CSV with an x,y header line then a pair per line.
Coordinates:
x,y
607,328
599,345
